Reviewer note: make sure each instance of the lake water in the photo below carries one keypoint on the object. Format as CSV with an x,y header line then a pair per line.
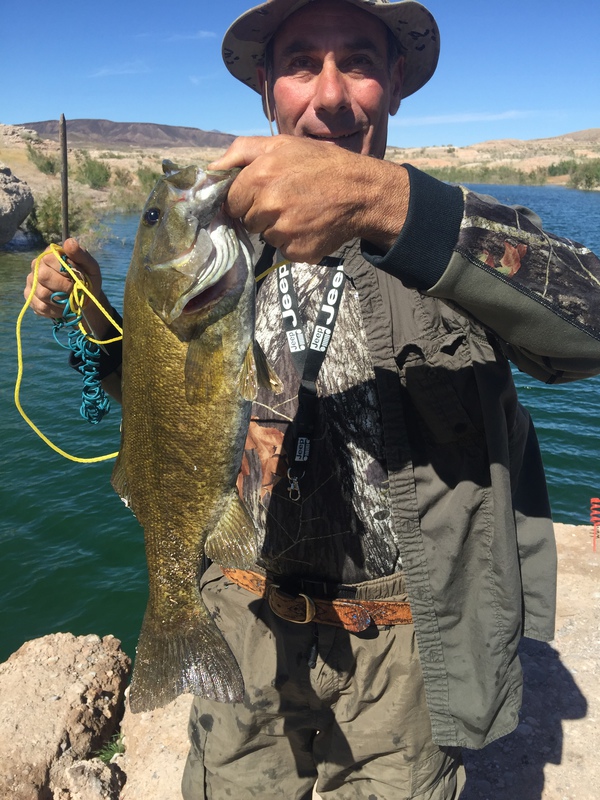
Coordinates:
x,y
71,555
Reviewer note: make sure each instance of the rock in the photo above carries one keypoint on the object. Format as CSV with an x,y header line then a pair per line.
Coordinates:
x,y
85,780
16,201
61,699
156,747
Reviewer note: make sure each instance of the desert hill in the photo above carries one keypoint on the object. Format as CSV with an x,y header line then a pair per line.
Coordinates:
x,y
105,133
588,135
511,155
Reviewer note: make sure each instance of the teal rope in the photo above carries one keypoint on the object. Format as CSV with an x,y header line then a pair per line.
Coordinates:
x,y
94,401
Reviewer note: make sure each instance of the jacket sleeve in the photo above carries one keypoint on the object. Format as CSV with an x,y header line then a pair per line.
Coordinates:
x,y
538,293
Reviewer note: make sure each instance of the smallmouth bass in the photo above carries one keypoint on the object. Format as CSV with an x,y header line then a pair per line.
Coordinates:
x,y
190,371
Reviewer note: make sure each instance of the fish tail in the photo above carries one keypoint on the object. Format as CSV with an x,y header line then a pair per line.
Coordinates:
x,y
173,658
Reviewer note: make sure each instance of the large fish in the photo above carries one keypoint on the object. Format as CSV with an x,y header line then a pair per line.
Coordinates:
x,y
189,375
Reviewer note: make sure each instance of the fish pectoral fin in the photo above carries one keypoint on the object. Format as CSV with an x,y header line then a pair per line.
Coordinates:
x,y
184,653
118,480
256,371
204,366
232,542
248,380
266,375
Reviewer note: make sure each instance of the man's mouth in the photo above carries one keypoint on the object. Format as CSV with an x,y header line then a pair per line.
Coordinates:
x,y
342,139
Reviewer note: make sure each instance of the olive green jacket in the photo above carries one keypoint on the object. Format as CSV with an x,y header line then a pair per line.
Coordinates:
x,y
468,493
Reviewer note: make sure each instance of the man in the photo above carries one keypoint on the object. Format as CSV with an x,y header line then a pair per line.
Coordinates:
x,y
406,535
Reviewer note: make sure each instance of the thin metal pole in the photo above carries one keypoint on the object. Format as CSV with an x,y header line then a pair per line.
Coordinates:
x,y
64,176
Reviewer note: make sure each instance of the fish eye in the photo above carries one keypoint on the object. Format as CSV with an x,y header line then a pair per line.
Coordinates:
x,y
152,216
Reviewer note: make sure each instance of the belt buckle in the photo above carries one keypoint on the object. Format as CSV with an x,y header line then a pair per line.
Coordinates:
x,y
310,609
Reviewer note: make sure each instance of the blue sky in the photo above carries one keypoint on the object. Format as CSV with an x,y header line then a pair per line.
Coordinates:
x,y
514,69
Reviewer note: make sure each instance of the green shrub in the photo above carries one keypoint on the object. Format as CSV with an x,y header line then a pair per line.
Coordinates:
x,y
45,221
501,174
562,168
586,175
122,177
127,199
147,178
49,165
111,748
95,173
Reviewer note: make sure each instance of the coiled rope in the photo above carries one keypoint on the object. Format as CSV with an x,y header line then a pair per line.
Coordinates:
x,y
95,404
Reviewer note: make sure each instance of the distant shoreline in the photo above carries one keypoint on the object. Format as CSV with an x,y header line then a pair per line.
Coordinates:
x,y
131,161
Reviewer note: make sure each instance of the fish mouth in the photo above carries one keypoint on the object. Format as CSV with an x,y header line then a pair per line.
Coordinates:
x,y
213,268
209,297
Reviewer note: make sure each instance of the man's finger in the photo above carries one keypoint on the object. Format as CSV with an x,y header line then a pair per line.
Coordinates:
x,y
244,150
80,256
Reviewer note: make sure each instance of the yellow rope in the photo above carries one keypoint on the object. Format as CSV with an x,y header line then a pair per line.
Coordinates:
x,y
80,288
271,269
78,293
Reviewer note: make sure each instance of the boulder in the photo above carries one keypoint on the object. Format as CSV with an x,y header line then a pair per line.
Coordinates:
x,y
156,747
61,700
16,202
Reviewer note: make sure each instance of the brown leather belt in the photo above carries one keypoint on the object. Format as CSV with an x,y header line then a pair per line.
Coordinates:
x,y
352,615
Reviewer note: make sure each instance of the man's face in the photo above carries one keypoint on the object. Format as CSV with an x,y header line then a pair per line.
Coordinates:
x,y
331,77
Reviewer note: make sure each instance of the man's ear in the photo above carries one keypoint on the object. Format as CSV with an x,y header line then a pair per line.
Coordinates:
x,y
396,83
267,97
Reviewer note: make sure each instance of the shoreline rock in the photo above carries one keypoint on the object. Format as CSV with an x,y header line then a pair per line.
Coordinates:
x,y
61,700
156,747
16,202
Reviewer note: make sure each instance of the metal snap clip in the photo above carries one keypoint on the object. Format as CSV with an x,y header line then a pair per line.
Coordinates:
x,y
294,487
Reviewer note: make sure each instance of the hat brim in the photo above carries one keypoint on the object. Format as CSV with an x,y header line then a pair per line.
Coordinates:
x,y
411,23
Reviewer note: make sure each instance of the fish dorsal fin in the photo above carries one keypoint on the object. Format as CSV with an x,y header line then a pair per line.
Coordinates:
x,y
267,377
201,371
232,542
169,167
180,177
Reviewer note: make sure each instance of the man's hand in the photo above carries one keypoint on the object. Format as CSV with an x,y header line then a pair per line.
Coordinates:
x,y
51,279
308,197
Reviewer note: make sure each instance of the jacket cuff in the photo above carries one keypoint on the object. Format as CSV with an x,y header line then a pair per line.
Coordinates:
x,y
425,244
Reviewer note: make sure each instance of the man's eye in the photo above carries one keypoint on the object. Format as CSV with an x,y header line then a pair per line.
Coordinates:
x,y
300,62
360,61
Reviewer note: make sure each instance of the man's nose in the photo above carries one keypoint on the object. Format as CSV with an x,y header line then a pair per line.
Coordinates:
x,y
332,89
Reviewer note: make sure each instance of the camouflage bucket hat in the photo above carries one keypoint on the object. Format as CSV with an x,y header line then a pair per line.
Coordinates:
x,y
411,23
